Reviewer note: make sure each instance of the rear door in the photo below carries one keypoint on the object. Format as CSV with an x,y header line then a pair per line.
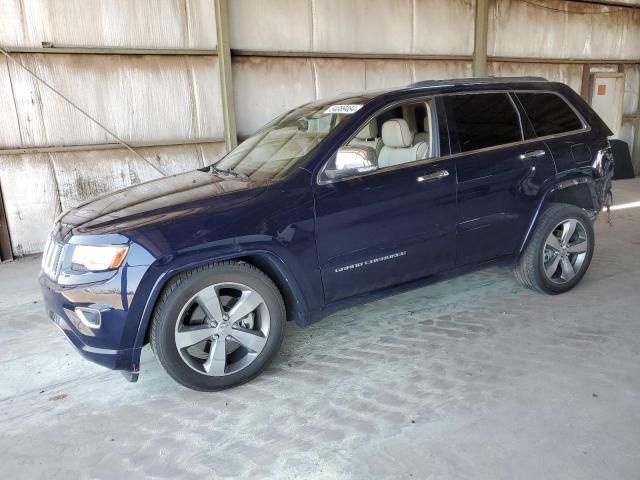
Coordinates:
x,y
564,131
499,174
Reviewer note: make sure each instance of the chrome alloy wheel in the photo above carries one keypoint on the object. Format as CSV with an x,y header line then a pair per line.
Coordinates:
x,y
565,250
222,329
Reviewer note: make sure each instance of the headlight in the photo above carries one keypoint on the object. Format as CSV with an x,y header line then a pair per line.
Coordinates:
x,y
95,258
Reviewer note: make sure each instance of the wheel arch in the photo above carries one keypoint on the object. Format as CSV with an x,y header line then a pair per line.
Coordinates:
x,y
268,262
296,307
578,195
564,267
579,191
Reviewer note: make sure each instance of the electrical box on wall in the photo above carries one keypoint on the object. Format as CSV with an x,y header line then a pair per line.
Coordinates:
x,y
606,97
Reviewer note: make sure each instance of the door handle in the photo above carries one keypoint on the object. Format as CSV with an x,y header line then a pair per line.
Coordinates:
x,y
439,175
533,154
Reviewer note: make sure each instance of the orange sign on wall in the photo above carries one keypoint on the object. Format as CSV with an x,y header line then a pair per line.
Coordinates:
x,y
602,89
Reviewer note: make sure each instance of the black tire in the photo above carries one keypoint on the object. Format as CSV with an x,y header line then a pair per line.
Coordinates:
x,y
177,294
529,269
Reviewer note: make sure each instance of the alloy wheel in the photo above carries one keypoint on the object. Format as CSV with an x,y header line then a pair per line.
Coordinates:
x,y
222,329
565,250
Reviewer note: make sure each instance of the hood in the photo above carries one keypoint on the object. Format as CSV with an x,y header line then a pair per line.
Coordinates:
x,y
157,200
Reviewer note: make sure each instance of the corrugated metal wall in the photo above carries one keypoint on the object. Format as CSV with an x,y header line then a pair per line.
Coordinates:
x,y
286,52
154,100
112,23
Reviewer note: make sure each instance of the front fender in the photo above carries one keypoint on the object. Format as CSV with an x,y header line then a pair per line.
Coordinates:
x,y
158,277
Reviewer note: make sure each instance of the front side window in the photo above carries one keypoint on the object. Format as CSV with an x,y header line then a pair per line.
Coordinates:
x,y
549,113
280,146
482,120
399,135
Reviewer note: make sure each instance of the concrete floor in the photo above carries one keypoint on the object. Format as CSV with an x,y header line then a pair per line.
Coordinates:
x,y
469,378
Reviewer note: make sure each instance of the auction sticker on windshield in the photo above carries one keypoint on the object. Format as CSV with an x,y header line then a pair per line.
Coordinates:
x,y
348,109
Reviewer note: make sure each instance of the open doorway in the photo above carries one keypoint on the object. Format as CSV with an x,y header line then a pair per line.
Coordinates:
x,y
606,97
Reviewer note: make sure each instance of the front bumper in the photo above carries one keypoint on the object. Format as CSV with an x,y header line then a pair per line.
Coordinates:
x,y
108,345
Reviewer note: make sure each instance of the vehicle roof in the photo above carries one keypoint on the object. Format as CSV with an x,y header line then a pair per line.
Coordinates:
x,y
455,84
374,100
475,81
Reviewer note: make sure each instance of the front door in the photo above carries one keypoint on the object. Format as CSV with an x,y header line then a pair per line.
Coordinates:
x,y
386,228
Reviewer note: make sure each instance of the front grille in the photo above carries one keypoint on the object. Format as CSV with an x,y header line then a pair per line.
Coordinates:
x,y
51,258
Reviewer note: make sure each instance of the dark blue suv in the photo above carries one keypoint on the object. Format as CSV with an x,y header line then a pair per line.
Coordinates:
x,y
333,202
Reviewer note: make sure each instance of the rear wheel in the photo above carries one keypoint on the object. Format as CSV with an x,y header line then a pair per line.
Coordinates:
x,y
218,326
559,251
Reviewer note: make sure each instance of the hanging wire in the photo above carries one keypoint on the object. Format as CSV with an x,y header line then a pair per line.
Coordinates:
x,y
577,12
81,110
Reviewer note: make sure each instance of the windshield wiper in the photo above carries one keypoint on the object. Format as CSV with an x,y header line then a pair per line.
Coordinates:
x,y
228,171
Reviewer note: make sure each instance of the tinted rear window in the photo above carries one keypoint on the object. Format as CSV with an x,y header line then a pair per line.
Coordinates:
x,y
482,120
549,113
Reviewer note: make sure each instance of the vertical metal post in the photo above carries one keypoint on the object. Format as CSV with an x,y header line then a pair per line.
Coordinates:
x,y
226,80
5,239
586,82
635,152
480,38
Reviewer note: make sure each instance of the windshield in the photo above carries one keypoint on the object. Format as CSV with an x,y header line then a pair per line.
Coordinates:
x,y
280,146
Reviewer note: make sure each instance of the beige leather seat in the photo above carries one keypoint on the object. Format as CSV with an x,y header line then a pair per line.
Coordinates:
x,y
424,135
368,137
397,146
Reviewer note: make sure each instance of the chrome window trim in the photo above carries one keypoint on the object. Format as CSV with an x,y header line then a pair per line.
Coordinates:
x,y
395,104
585,125
515,107
426,99
585,128
513,104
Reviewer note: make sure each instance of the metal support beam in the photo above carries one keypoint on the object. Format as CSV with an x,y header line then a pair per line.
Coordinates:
x,y
635,151
435,58
480,38
107,146
608,3
5,240
226,81
565,61
586,82
347,55
75,49
309,54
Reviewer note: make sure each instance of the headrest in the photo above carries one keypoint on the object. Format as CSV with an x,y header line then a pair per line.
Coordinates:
x,y
396,133
369,131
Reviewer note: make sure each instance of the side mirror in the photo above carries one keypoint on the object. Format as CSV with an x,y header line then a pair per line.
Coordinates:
x,y
351,161
356,158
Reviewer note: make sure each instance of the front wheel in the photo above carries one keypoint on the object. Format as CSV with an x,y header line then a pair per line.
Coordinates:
x,y
559,251
218,326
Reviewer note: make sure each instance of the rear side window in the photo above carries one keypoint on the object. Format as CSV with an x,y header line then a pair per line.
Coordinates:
x,y
482,120
549,113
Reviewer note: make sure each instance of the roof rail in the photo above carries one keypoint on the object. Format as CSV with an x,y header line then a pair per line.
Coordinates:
x,y
476,80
